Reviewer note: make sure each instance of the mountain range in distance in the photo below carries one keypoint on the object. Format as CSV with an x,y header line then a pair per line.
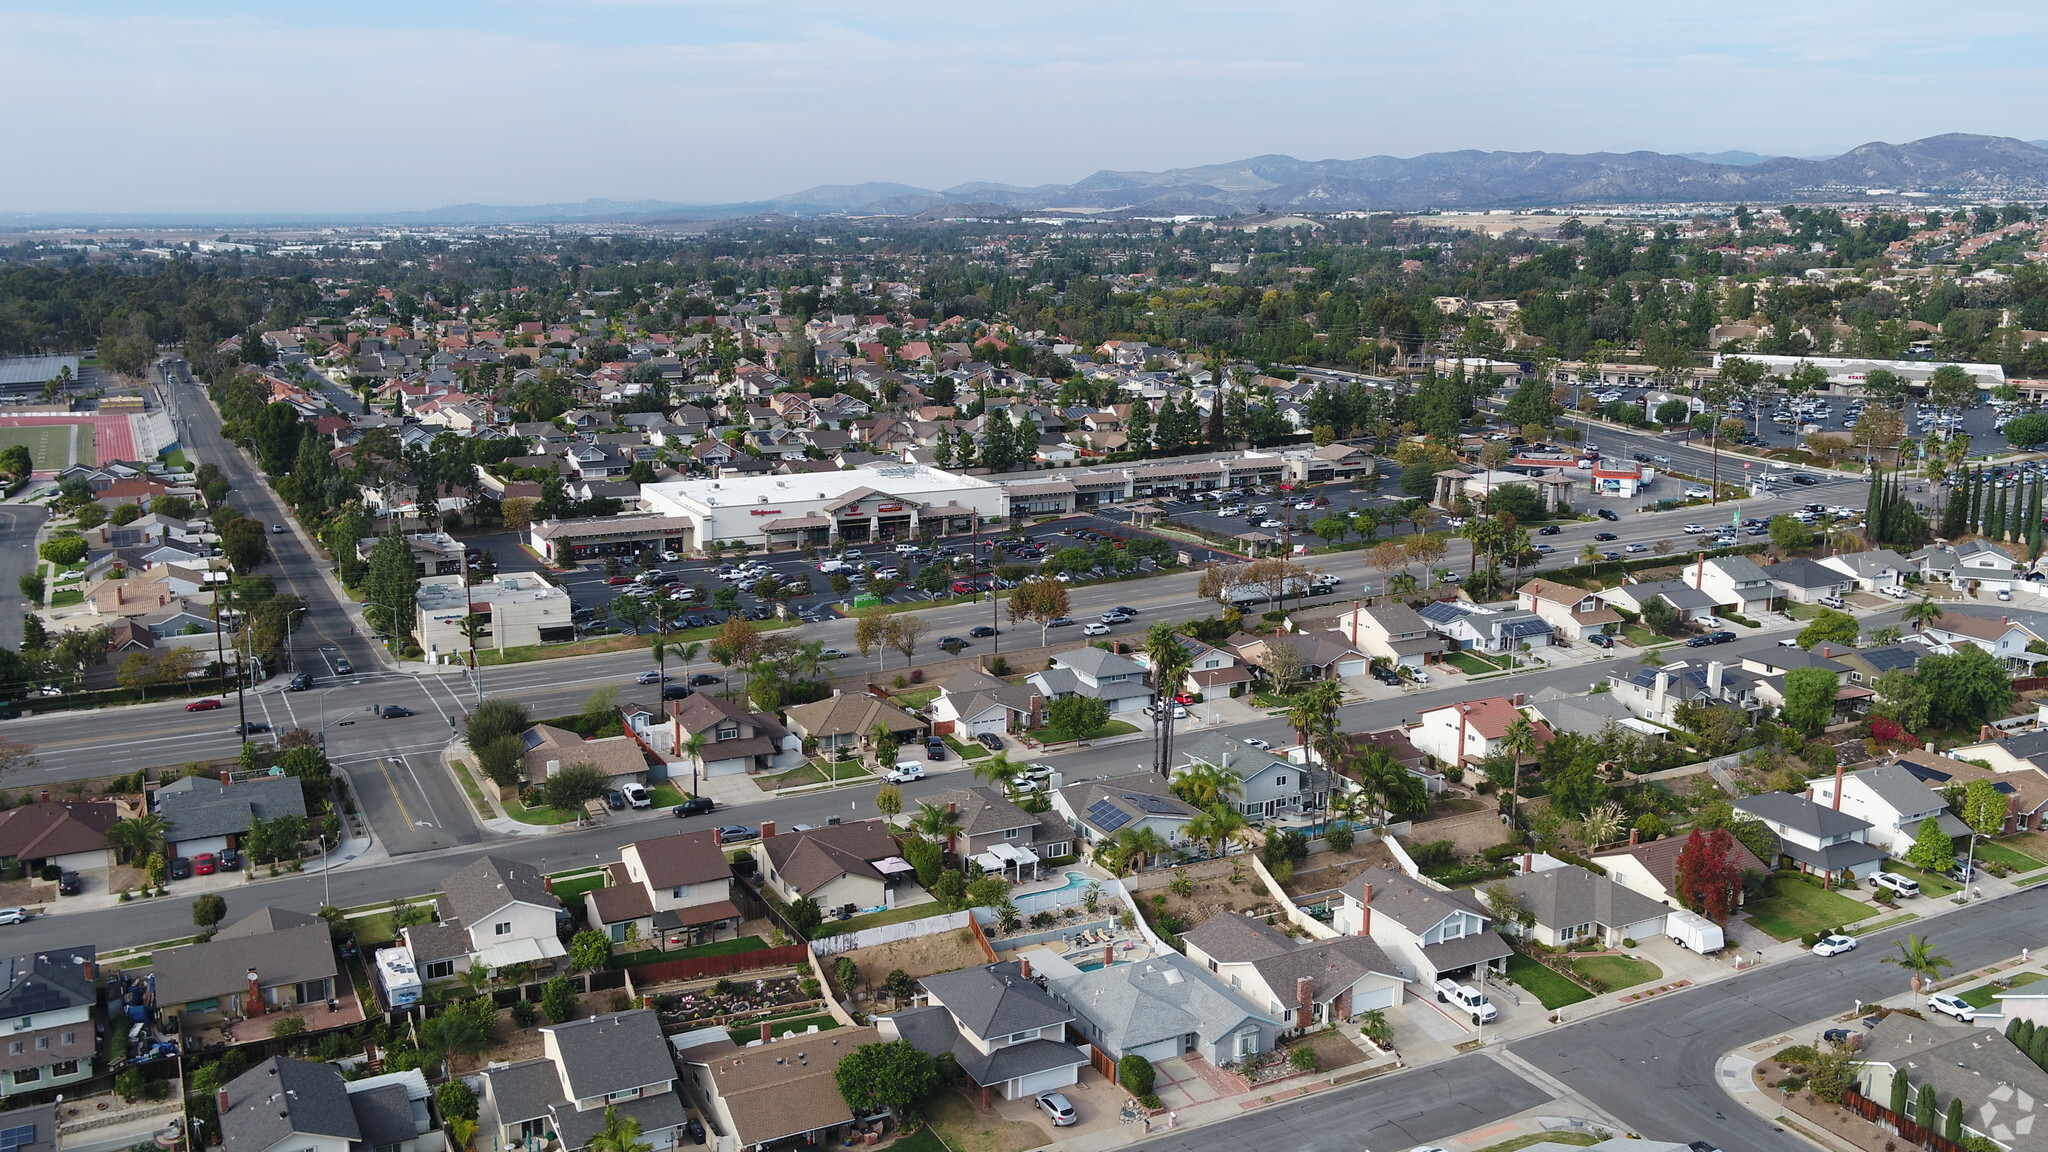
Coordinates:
x,y
1953,165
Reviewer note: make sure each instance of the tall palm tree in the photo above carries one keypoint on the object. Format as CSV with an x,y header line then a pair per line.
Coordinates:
x,y
693,747
1402,583
1204,784
998,769
936,823
1920,613
453,1033
1216,825
1170,660
1518,739
1917,956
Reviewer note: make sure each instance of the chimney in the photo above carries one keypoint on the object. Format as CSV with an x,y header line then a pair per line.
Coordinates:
x,y
225,778
1365,911
1983,733
1528,863
953,806
255,1005
767,829
1714,671
90,970
1304,1002
1518,700
1827,651
764,1031
46,795
1634,837
718,835
1024,968
220,1101
1108,955
1663,684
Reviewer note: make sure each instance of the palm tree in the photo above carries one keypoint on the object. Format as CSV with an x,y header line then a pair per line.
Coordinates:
x,y
1917,955
1920,613
453,1033
936,823
693,747
1127,851
1402,583
137,836
1170,661
1216,825
619,1134
998,769
1204,784
1590,553
1519,741
690,652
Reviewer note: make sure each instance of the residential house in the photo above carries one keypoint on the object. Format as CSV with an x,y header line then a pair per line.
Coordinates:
x,y
1308,982
1471,730
1114,679
847,721
1571,904
270,959
1654,694
550,749
1572,613
1878,570
1892,800
51,998
1392,633
2004,1094
1317,655
1688,602
587,1067
287,1105
1736,583
1650,867
1269,786
69,835
1973,565
998,834
1427,930
736,740
205,814
2025,787
1865,665
854,865
495,912
1098,809
1160,1008
774,1095
972,702
1586,713
1806,582
1465,625
1814,837
675,891
1395,744
2005,638
1007,1035
1211,670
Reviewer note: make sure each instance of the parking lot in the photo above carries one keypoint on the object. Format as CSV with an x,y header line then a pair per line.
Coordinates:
x,y
1977,421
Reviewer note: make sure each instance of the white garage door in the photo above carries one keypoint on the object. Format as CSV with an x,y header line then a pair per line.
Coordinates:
x,y
191,848
992,726
1165,1049
1046,1081
1351,668
1367,999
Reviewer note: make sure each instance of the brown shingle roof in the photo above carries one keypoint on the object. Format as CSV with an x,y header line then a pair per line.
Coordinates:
x,y
1660,858
56,828
684,858
771,1093
811,859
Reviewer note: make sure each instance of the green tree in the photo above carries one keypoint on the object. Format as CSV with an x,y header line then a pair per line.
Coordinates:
x,y
1790,534
1932,850
454,1032
589,950
574,785
890,1077
1809,699
1984,808
1830,627
1966,688
1902,1090
805,916
1924,1106
209,910
63,551
558,1000
1076,717
619,1134
391,587
1918,957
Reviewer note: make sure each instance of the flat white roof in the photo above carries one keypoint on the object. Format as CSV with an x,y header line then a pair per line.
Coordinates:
x,y
910,480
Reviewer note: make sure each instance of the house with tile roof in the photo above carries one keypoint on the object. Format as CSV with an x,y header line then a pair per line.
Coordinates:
x,y
1307,982
1650,867
1471,730
614,1061
1571,904
1269,786
853,865
1007,1035
1160,1008
1815,838
52,1003
1114,679
287,1105
848,720
674,891
774,1095
1428,930
1572,613
1892,801
1393,634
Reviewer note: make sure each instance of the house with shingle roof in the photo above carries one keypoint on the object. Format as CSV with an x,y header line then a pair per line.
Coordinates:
x,y
2004,1094
972,702
774,1094
550,749
988,819
205,814
674,891
838,866
1805,582
1160,1008
1650,867
66,834
1099,809
1736,583
1814,837
2023,783
737,741
848,720
1572,613
1269,786
287,1105
1306,981
1326,655
51,999
284,958
1893,801
494,911
1003,1030
1571,904
1688,602
2004,637
614,1061
1464,625
1392,633
1098,673
1429,930
1972,564
1877,570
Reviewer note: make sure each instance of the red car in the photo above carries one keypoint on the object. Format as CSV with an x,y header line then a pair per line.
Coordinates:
x,y
962,587
1183,698
204,864
202,706
615,581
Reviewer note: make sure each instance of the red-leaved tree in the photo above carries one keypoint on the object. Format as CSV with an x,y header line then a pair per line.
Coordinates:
x,y
1708,881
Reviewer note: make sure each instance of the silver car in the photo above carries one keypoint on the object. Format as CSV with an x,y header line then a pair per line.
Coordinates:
x,y
1056,1106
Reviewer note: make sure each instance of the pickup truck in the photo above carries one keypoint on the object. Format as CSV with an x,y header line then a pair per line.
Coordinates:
x,y
1468,998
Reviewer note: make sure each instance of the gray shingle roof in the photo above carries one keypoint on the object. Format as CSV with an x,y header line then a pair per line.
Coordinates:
x,y
488,883
220,967
1097,662
1281,960
1412,904
612,1053
1232,753
983,809
198,807
1899,788
280,1097
384,1114
1801,814
1805,574
656,1114
523,1091
994,1000
437,941
1131,1005
1569,896
49,979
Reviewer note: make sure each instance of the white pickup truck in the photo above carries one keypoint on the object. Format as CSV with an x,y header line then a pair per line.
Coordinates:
x,y
1469,998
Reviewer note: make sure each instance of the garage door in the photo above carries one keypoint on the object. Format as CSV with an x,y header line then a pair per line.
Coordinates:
x,y
1367,999
1165,1049
191,848
1046,1081
993,726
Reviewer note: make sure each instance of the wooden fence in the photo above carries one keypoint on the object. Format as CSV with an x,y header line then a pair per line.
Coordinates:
x,y
698,967
1891,1121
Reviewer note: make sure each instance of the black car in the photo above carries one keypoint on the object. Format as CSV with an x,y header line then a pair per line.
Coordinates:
x,y
704,679
676,691
1804,480
981,631
230,860
67,884
615,800
695,1128
951,644
393,712
694,806
1601,640
1836,1035
1603,536
181,867
251,728
1607,514
1385,675
299,683
1549,530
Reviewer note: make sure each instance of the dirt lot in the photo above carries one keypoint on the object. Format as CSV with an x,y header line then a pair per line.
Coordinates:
x,y
1219,886
511,1043
1469,833
1327,870
1850,1128
967,1128
1332,1050
924,956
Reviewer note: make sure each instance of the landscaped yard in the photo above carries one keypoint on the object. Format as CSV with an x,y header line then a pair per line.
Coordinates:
x,y
1111,728
966,1128
525,815
666,795
64,598
571,890
1642,637
715,948
1931,885
817,771
877,919
1791,908
1547,986
1616,972
1981,996
966,751
373,930
778,1028
2010,854
1471,663
917,698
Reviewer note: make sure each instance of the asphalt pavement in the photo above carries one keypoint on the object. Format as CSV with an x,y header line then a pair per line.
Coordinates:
x,y
19,524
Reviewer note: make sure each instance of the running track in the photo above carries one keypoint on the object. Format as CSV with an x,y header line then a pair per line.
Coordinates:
x,y
113,439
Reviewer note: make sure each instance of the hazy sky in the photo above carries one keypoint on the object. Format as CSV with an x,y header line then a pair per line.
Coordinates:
x,y
369,105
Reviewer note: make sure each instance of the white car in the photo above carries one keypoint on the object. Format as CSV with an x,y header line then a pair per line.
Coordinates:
x,y
636,795
905,772
671,557
1954,1006
1637,548
1697,493
1269,522
1834,945
1095,628
1261,745
1904,886
1695,529
14,915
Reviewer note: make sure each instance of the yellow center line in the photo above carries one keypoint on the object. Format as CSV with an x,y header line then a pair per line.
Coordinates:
x,y
384,770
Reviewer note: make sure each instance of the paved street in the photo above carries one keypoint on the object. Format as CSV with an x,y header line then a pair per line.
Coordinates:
x,y
19,524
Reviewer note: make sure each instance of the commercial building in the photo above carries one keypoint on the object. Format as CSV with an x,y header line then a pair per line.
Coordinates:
x,y
1848,373
514,610
856,506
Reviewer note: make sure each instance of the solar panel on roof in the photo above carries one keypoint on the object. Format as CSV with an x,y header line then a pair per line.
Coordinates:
x,y
1107,816
1154,805
532,739
17,1136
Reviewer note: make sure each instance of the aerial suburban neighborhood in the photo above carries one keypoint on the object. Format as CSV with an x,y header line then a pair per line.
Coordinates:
x,y
1457,650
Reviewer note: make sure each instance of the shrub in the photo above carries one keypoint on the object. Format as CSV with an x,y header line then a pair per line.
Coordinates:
x,y
1151,1102
524,1014
1436,852
1339,839
1302,1058
1499,852
1136,1074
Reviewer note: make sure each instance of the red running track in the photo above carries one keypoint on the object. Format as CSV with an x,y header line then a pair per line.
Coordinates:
x,y
113,436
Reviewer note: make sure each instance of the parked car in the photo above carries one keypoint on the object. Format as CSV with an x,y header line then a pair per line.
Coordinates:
x,y
615,800
1471,999
1904,887
636,795
230,860
68,884
15,915
205,864
1600,640
904,772
731,833
694,806
1056,1106
181,867
1385,675
1956,1006
1834,945
934,748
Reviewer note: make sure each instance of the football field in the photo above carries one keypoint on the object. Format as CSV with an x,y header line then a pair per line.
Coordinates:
x,y
51,447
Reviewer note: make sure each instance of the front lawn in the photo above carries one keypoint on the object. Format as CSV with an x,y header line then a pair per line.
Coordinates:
x,y
1642,637
913,700
959,1126
1791,908
1111,728
778,1029
1471,663
1552,988
964,750
2009,857
539,816
65,598
817,771
1931,884
666,795
1616,972
1980,997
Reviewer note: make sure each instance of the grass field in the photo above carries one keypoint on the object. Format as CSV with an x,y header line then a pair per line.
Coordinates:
x,y
50,445
2006,857
1617,972
1792,908
1980,997
1547,986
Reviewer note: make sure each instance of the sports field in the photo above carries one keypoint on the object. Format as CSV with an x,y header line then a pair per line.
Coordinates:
x,y
51,447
